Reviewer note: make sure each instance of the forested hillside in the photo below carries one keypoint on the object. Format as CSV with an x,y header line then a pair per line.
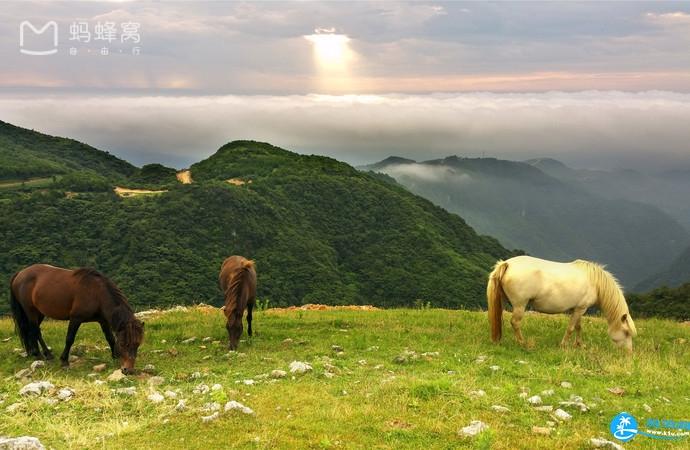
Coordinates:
x,y
528,209
319,230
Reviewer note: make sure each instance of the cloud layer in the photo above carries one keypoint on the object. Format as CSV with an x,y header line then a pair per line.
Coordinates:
x,y
588,129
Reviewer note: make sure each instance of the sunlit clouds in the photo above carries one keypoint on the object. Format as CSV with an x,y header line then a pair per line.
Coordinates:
x,y
332,58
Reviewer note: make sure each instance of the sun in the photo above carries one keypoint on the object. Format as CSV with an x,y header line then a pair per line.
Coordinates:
x,y
331,51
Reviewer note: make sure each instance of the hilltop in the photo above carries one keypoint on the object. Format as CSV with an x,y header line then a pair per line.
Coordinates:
x,y
550,215
380,379
319,230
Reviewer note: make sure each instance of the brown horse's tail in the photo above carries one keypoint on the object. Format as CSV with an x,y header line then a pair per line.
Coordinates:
x,y
495,296
235,294
22,325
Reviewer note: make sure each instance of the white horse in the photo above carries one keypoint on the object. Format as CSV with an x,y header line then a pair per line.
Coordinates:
x,y
553,287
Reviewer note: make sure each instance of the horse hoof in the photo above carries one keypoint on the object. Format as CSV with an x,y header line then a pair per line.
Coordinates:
x,y
64,364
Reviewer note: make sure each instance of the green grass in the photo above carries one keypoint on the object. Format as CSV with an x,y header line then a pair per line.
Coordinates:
x,y
30,183
372,402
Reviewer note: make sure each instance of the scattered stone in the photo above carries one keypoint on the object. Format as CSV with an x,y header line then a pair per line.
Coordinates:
x,y
190,340
534,400
131,391
362,362
480,359
278,373
232,405
373,348
216,387
36,388
603,443
201,389
14,407
499,408
430,354
542,430
21,443
37,364
337,348
65,394
195,375
99,367
211,407
495,368
170,394
156,397
287,341
405,357
22,374
547,393
99,382
299,367
544,408
207,339
49,401
117,375
477,394
523,395
149,368
248,382
156,381
575,402
73,358
328,374
211,418
566,385
616,390
474,428
562,415
181,405
519,361
647,407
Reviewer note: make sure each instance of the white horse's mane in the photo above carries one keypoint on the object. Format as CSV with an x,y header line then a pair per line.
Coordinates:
x,y
611,298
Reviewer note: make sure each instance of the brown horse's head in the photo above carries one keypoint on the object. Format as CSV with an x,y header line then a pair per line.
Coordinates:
x,y
129,338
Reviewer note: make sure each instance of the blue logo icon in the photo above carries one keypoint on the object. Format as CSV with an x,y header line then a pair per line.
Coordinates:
x,y
623,427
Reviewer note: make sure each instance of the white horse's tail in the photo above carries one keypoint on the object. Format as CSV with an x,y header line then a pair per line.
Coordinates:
x,y
495,296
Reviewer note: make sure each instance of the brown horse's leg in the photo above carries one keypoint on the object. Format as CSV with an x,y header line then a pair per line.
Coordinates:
x,y
110,338
46,351
250,307
72,329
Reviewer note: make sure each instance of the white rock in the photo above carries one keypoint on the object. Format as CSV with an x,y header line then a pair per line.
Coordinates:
x,y
534,400
207,339
156,381
99,382
14,407
211,418
299,367
36,388
190,340
562,415
278,373
477,394
603,443
156,397
249,382
149,368
201,389
37,364
181,405
216,387
196,375
495,368
117,375
99,367
548,393
232,405
519,361
499,408
21,443
22,374
647,407
65,394
362,362
523,395
131,390
545,408
474,428
566,385
211,407
542,430
170,394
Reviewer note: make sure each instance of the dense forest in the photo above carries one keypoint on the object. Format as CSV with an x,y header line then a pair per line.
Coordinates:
x,y
319,230
672,303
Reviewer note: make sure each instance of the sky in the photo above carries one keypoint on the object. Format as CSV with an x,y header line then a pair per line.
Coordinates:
x,y
595,84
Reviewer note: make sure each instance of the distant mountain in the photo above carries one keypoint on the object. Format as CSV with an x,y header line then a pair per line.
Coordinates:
x,y
677,273
669,191
548,216
319,230
28,154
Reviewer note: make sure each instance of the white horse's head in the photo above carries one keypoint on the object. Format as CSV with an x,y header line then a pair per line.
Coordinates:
x,y
622,331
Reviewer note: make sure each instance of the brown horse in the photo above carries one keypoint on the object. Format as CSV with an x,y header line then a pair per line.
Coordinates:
x,y
82,295
238,283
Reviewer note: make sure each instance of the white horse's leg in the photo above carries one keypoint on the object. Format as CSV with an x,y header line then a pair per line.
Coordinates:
x,y
574,325
518,312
